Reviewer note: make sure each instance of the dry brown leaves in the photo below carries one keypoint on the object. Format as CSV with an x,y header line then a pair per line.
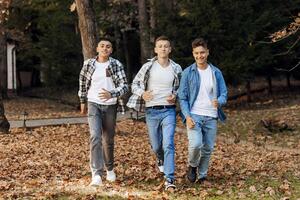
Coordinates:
x,y
292,28
37,109
245,123
73,7
4,5
48,162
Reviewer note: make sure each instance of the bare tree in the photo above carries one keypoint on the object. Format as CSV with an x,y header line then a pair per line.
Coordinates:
x,y
287,31
4,5
4,124
87,27
144,30
152,19
291,29
3,61
169,4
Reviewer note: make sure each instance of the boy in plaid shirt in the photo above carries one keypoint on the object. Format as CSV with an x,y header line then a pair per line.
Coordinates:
x,y
154,90
102,81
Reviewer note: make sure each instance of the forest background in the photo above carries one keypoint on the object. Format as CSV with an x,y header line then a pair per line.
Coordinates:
x,y
254,43
247,39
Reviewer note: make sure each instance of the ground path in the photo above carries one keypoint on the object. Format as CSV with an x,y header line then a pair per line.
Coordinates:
x,y
30,123
83,120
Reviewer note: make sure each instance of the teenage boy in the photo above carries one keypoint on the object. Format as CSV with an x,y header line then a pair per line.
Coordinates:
x,y
154,90
201,94
102,80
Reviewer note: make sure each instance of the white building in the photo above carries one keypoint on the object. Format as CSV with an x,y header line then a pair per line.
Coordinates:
x,y
11,67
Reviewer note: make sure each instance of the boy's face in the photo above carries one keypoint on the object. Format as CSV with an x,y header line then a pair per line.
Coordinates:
x,y
104,48
162,48
200,54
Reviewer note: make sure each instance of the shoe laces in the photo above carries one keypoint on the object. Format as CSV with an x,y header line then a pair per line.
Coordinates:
x,y
160,162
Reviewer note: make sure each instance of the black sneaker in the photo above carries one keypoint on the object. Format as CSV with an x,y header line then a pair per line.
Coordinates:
x,y
169,184
201,180
192,174
160,165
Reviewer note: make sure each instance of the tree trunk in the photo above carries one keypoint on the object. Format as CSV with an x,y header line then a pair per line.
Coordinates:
x,y
127,56
3,65
169,5
117,48
152,20
4,124
248,90
144,30
87,27
270,89
288,80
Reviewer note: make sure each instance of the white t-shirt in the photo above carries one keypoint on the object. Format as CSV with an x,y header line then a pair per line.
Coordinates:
x,y
161,83
99,81
203,104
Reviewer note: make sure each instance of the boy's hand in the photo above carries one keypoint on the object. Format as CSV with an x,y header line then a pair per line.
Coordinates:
x,y
83,108
147,95
171,99
104,95
215,103
190,122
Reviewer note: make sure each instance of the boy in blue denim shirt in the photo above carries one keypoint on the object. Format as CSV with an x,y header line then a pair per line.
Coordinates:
x,y
202,92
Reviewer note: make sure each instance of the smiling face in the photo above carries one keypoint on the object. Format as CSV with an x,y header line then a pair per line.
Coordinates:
x,y
104,49
162,48
200,54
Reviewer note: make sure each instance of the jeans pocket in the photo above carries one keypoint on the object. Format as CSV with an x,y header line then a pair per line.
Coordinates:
x,y
148,111
92,109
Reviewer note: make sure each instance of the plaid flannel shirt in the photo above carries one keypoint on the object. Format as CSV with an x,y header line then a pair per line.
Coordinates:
x,y
116,70
139,84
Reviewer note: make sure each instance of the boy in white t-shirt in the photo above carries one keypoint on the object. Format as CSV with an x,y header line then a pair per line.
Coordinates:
x,y
102,80
201,94
154,91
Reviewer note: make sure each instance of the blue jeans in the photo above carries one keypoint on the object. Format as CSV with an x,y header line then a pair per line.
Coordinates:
x,y
201,142
161,129
102,122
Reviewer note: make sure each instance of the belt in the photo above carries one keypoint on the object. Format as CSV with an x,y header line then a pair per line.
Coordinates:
x,y
162,107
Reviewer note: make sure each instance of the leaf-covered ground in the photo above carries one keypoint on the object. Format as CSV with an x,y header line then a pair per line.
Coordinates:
x,y
53,163
37,109
244,122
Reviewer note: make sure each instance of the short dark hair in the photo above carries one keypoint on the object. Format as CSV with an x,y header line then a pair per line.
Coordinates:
x,y
105,39
162,37
199,42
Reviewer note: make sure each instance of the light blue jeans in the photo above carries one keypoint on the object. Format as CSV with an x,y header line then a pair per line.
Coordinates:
x,y
102,122
201,142
161,129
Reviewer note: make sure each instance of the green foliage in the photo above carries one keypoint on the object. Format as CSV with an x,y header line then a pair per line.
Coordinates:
x,y
49,38
237,32
50,42
234,30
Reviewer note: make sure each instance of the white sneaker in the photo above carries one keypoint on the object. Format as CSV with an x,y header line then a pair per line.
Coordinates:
x,y
111,176
161,168
160,165
96,181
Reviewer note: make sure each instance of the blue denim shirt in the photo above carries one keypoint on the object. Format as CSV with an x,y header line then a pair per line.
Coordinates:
x,y
190,86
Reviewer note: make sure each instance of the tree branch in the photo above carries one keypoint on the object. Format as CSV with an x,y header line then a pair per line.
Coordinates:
x,y
272,42
290,48
288,70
